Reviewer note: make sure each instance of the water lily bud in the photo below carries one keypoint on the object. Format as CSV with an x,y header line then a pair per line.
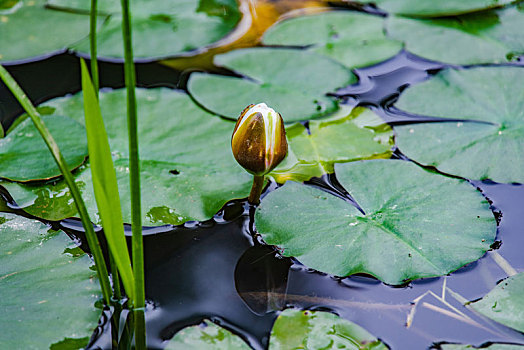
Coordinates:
x,y
259,139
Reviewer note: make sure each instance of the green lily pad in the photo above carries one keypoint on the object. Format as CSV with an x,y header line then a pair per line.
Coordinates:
x,y
354,135
30,29
352,38
187,168
24,155
47,294
431,8
486,37
488,150
505,303
409,231
276,77
176,27
207,336
296,329
495,346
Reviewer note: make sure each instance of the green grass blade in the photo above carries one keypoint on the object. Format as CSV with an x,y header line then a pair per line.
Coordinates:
x,y
105,184
2,132
92,44
92,240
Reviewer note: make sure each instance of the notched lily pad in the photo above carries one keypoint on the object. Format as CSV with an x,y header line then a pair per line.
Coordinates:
x,y
174,134
41,285
487,37
505,303
352,38
417,224
489,149
431,8
24,156
351,135
276,77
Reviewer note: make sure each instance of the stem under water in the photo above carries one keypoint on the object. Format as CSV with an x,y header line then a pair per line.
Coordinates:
x,y
256,189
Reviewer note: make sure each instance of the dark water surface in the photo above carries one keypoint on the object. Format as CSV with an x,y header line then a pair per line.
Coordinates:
x,y
220,271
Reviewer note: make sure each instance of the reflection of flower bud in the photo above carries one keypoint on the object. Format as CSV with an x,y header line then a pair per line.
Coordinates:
x,y
259,139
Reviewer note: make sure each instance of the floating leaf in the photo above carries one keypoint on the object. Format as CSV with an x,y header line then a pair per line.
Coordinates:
x,y
352,38
431,8
206,335
495,346
505,303
296,329
491,149
24,155
187,168
30,29
176,27
357,134
276,77
47,294
409,231
486,37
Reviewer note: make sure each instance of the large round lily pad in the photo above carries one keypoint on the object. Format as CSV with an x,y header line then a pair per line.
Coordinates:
x,y
505,303
30,29
187,168
491,149
432,8
486,37
48,292
24,155
293,82
161,28
416,224
353,135
352,38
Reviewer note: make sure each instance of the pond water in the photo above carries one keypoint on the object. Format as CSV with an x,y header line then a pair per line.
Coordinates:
x,y
219,270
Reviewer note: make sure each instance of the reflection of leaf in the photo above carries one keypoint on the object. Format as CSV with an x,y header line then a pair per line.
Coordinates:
x,y
352,38
409,231
355,135
276,77
174,134
432,8
489,150
505,303
493,36
24,156
40,285
495,346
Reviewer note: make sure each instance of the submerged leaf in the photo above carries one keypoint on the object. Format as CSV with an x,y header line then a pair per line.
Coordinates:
x,y
489,149
352,38
47,294
416,224
505,303
187,168
293,82
24,155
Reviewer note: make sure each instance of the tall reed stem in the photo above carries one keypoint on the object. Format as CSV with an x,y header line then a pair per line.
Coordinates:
x,y
92,239
92,44
134,165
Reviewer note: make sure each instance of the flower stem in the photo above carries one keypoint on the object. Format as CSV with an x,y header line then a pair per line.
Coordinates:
x,y
256,189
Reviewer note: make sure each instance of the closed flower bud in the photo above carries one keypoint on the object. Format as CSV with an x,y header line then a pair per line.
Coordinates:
x,y
259,139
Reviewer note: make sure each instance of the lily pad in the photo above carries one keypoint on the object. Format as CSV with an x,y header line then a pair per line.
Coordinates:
x,y
352,38
187,168
30,29
295,329
206,335
275,76
489,149
495,346
486,37
24,155
356,134
431,8
409,231
176,27
505,303
48,295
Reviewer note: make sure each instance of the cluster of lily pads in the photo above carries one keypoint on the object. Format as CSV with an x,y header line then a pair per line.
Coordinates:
x,y
416,219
